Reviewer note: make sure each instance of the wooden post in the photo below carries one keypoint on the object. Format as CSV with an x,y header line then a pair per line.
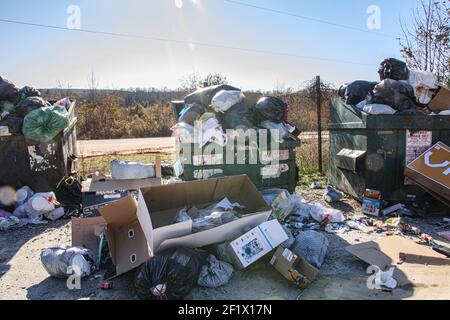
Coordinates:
x,y
319,121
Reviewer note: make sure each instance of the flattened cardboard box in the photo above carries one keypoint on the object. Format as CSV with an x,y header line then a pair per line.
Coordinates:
x,y
127,245
256,243
159,205
294,268
432,171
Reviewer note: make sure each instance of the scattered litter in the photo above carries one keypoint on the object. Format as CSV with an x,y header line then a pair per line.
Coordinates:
x,y
312,246
316,185
62,260
9,223
322,214
357,225
215,273
332,195
224,100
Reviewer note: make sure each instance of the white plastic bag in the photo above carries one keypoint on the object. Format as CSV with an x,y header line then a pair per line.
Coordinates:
x,y
225,99
378,109
215,274
211,131
61,261
423,82
124,170
320,213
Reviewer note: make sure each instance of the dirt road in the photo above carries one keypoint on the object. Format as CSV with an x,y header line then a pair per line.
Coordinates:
x,y
88,148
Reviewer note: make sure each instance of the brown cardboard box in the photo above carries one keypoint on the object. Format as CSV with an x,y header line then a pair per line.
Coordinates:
x,y
126,240
441,101
432,171
86,232
158,207
294,268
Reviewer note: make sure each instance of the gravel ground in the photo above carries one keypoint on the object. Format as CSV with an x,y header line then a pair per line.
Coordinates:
x,y
342,275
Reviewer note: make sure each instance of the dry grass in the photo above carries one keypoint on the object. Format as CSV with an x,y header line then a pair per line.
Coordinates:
x,y
89,165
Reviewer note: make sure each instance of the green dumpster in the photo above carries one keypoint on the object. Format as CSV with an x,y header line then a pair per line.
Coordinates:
x,y
269,168
371,151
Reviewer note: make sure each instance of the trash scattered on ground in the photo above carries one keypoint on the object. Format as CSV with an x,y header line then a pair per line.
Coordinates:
x,y
371,202
215,273
170,275
312,246
62,260
9,223
316,185
332,195
294,268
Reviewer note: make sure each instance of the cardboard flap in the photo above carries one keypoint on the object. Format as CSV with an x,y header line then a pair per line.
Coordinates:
x,y
119,213
91,185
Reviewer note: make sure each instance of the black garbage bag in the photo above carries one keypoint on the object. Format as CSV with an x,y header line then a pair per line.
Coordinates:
x,y
204,96
68,192
27,92
170,275
8,90
393,69
397,94
356,91
14,123
239,116
272,109
191,113
29,104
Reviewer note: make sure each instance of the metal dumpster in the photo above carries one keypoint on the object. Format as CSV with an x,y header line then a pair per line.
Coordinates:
x,y
371,151
38,165
274,168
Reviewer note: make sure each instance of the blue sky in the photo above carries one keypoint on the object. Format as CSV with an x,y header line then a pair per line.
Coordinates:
x,y
43,57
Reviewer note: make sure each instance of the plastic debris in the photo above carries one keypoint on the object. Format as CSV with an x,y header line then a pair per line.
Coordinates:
x,y
225,99
62,260
312,246
215,273
332,195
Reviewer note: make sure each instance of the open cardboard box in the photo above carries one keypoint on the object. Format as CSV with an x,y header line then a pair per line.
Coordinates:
x,y
127,244
158,207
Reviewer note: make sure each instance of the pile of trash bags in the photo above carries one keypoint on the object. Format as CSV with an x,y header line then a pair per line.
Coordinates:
x,y
24,111
209,112
399,91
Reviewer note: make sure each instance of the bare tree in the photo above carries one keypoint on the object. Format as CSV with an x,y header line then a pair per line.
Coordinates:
x,y
93,84
194,81
426,43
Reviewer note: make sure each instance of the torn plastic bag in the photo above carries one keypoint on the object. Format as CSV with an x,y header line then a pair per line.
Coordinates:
x,y
311,246
13,123
204,96
224,100
183,132
272,109
8,90
423,83
30,104
356,91
239,117
125,170
284,204
377,109
320,213
215,273
44,124
210,131
170,275
393,69
62,261
191,113
397,94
